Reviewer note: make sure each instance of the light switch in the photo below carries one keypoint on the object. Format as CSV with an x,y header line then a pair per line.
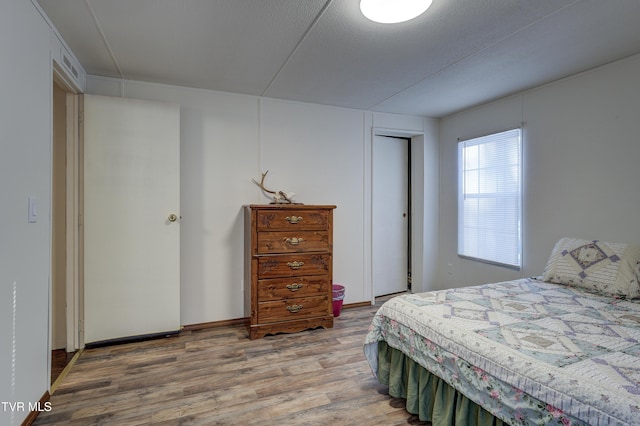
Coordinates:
x,y
32,210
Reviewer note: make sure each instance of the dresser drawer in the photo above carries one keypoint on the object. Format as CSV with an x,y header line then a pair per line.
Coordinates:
x,y
292,241
293,265
290,309
287,288
281,220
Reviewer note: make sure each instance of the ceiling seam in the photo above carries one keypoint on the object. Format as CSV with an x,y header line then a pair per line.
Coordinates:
x,y
476,53
104,38
304,36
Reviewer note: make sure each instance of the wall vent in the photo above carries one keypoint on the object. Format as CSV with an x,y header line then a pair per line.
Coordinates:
x,y
67,67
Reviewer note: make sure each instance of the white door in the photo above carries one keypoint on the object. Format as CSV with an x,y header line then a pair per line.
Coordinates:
x,y
131,239
390,214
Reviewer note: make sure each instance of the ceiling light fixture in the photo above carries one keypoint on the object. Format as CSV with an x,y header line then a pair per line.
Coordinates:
x,y
393,11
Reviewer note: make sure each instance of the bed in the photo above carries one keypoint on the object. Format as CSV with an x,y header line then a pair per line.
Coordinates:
x,y
561,348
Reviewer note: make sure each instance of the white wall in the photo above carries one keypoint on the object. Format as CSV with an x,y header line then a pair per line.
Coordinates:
x,y
321,153
318,153
581,174
25,170
427,176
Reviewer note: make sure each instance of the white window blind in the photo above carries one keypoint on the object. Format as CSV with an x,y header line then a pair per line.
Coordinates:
x,y
490,198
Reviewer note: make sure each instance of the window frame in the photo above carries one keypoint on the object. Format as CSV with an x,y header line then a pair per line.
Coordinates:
x,y
498,196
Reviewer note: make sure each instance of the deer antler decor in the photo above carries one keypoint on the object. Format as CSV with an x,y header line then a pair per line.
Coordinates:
x,y
279,197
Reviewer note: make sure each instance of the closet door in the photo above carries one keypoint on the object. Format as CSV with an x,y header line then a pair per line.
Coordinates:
x,y
131,218
390,215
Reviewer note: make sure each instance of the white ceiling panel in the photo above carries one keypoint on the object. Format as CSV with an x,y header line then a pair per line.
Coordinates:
x,y
458,54
236,46
349,61
560,45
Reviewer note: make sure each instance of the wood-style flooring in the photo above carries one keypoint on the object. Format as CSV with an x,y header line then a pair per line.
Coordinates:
x,y
217,376
59,360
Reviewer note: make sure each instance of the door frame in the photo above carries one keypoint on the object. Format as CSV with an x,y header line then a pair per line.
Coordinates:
x,y
75,339
73,219
416,236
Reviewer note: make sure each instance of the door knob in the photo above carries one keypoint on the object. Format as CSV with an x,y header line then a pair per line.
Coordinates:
x,y
172,217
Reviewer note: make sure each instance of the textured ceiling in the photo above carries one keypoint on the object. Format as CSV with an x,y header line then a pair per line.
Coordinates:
x,y
460,53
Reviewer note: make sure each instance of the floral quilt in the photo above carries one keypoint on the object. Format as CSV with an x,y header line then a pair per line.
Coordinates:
x,y
528,351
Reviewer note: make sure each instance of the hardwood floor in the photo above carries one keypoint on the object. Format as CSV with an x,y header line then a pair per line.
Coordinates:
x,y
59,360
218,376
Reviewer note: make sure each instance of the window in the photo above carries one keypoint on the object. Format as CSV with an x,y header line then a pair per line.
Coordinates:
x,y
490,198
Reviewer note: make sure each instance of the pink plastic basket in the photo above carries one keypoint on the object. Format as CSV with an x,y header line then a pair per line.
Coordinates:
x,y
338,297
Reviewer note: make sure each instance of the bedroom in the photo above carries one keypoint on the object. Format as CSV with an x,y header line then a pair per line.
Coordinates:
x,y
591,185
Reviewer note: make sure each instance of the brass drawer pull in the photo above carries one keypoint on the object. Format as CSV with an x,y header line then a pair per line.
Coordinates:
x,y
294,286
295,265
294,308
293,219
293,241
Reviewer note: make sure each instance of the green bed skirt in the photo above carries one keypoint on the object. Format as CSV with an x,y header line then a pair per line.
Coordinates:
x,y
428,396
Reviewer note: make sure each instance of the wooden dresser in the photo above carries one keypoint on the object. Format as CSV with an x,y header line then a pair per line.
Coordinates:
x,y
288,268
